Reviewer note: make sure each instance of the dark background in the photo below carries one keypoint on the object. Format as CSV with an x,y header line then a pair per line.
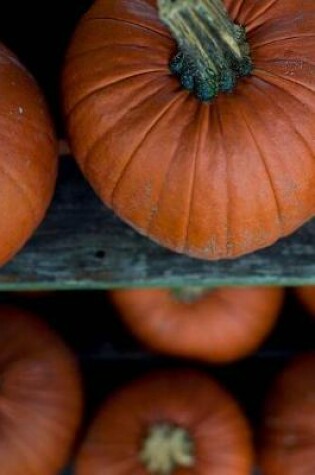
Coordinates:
x,y
39,32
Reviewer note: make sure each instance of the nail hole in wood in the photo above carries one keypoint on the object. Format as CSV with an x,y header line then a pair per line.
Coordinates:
x,y
100,254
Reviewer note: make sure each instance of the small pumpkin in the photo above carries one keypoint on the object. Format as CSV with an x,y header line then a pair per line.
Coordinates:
x,y
307,297
288,433
40,394
28,155
194,121
167,423
218,325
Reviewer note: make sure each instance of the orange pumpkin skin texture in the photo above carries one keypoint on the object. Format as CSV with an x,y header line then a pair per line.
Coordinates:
x,y
41,398
212,180
307,296
187,399
220,326
28,156
288,435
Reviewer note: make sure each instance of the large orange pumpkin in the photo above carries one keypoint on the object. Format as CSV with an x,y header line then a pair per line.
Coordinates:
x,y
212,179
28,155
40,405
288,435
169,423
219,325
307,297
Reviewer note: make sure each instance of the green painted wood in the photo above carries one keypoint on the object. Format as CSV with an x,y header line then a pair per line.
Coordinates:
x,y
82,245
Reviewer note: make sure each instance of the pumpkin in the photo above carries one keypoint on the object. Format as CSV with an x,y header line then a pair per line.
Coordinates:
x,y
218,325
196,131
40,396
167,423
288,433
28,155
307,296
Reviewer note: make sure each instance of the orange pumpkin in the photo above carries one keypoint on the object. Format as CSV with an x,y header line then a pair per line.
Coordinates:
x,y
288,435
218,325
40,393
212,179
28,156
169,423
307,296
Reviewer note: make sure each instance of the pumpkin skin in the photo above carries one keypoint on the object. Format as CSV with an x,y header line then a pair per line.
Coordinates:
x,y
184,398
220,326
307,296
41,400
28,155
212,180
288,434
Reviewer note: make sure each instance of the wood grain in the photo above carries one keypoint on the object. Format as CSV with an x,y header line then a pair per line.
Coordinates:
x,y
82,245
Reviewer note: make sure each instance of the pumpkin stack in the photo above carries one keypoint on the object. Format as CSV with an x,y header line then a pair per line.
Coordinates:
x,y
194,121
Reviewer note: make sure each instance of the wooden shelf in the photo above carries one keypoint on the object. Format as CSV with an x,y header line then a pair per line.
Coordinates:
x,y
82,245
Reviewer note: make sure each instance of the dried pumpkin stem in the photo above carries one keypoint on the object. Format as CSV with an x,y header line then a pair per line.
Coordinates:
x,y
165,448
212,51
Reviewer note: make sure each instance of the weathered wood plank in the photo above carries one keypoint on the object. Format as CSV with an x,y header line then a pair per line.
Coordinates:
x,y
83,245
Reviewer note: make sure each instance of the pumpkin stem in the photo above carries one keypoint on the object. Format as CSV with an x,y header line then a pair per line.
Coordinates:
x,y
189,294
165,448
212,51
